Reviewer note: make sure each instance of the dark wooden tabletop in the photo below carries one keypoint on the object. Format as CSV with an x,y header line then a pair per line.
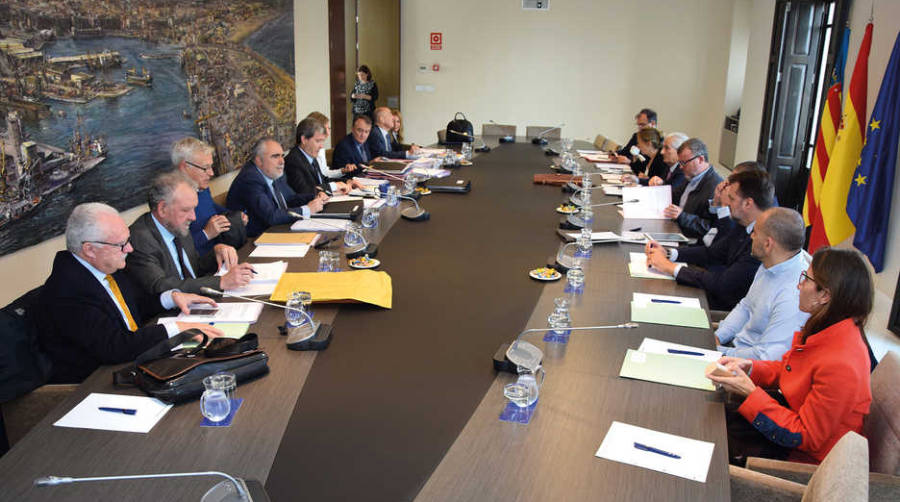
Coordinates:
x,y
404,404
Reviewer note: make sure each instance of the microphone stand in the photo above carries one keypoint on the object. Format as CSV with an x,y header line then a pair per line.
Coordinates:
x,y
521,353
483,148
367,247
319,335
539,139
503,139
233,489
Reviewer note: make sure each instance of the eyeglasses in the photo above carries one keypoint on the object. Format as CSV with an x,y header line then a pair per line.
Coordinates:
x,y
202,168
688,161
121,246
805,277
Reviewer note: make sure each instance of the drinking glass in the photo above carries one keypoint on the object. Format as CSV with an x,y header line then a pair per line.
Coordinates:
x,y
352,235
567,144
575,278
524,392
409,185
393,196
370,217
466,150
297,301
215,403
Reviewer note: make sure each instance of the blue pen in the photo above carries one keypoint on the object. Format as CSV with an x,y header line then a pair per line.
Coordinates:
x,y
684,352
126,411
660,300
651,449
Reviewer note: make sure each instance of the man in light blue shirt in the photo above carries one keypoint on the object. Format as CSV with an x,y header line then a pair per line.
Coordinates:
x,y
762,325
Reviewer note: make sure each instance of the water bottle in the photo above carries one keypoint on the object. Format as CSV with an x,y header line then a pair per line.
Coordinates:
x,y
585,245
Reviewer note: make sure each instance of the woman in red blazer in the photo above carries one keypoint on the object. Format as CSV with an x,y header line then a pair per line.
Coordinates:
x,y
821,385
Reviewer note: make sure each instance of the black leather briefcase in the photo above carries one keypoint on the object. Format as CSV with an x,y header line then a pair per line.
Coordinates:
x,y
175,376
458,125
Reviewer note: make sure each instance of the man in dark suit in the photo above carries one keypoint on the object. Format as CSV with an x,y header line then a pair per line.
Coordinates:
x,y
89,312
214,225
260,190
690,202
380,138
301,168
726,268
673,175
353,149
164,256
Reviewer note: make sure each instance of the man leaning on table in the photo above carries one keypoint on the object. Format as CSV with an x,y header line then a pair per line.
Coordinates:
x,y
164,256
89,312
762,325
261,191
379,140
690,207
726,269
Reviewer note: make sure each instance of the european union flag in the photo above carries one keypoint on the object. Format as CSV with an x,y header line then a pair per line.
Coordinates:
x,y
869,199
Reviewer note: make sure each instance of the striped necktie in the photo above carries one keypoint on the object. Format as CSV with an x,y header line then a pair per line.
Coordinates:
x,y
179,251
114,287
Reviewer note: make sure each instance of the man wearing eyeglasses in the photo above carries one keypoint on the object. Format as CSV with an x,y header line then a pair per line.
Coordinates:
x,y
691,211
646,118
194,158
164,256
89,311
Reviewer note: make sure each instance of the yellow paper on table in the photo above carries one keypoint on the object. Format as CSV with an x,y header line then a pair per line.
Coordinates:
x,y
364,286
286,238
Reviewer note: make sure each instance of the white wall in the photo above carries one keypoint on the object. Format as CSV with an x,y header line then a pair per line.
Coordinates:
x,y
737,61
590,64
311,69
762,19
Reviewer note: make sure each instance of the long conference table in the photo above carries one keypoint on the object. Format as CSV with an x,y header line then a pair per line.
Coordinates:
x,y
404,404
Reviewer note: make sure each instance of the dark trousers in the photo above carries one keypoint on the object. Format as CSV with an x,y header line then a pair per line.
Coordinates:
x,y
744,440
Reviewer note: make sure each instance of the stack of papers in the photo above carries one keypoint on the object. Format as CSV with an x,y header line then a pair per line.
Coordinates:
x,y
651,202
364,286
670,310
264,280
283,245
658,451
370,182
611,189
669,369
88,415
342,198
609,167
317,225
596,237
242,312
638,267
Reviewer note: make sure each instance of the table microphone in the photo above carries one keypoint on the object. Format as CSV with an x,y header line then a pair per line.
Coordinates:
x,y
507,138
417,214
539,139
232,489
316,338
483,148
527,355
367,248
634,150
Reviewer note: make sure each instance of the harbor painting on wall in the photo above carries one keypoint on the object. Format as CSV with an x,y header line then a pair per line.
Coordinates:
x,y
94,93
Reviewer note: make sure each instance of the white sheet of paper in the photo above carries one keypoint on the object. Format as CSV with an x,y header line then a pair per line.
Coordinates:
x,y
655,346
227,312
612,190
264,281
651,202
637,266
332,225
280,251
645,298
618,446
87,414
609,166
597,236
611,178
589,152
342,198
369,182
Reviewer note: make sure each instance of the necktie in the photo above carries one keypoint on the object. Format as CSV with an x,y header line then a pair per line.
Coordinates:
x,y
114,287
322,183
179,251
362,153
279,199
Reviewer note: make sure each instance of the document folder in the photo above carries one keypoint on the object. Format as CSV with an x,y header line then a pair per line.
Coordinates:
x,y
667,369
450,185
345,210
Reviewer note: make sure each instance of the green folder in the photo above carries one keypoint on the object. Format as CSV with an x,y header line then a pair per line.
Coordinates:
x,y
667,313
664,368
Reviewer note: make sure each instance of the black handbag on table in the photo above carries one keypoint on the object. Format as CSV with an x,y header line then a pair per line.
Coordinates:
x,y
175,376
460,125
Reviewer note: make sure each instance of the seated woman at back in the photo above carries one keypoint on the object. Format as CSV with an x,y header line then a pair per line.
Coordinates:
x,y
822,382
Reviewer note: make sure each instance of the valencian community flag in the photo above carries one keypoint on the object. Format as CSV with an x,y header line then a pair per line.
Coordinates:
x,y
869,200
845,156
828,128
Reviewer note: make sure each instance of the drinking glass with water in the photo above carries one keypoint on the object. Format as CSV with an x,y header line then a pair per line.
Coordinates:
x,y
524,392
298,303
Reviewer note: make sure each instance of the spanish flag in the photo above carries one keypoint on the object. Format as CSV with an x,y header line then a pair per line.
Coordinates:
x,y
847,148
828,127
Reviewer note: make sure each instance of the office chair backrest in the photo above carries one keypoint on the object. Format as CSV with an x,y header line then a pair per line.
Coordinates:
x,y
882,425
844,474
498,130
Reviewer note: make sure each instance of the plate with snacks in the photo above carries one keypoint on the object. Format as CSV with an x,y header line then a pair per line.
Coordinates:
x,y
363,262
567,209
544,274
423,191
465,162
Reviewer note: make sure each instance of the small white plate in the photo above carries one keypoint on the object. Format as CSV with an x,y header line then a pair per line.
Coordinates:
x,y
534,275
374,263
561,211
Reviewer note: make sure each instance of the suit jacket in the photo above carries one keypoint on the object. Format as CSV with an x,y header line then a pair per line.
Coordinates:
x,y
657,167
302,176
151,264
379,148
725,269
346,153
80,327
250,193
396,144
206,209
695,218
637,166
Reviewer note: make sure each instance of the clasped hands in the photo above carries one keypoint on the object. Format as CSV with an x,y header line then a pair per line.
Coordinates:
x,y
739,383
